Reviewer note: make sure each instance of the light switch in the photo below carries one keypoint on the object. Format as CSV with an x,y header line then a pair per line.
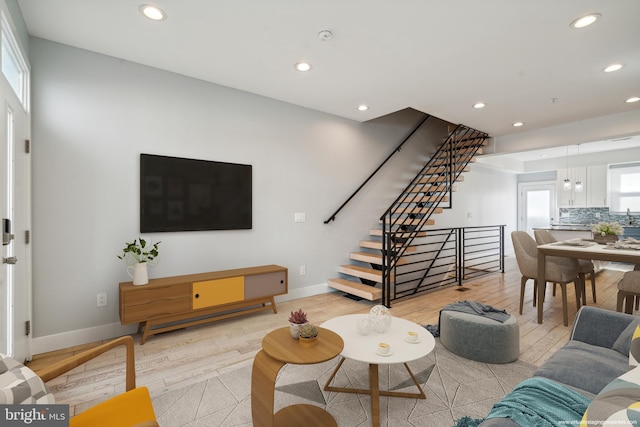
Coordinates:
x,y
300,217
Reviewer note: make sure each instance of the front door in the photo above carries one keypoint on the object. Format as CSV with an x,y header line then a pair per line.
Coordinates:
x,y
15,195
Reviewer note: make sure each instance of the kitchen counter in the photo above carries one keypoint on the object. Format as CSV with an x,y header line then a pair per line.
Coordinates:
x,y
583,231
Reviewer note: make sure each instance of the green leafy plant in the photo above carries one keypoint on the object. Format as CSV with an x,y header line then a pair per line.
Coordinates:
x,y
139,251
298,317
308,331
607,229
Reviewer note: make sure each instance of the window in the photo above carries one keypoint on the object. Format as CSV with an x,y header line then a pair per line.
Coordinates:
x,y
624,187
14,68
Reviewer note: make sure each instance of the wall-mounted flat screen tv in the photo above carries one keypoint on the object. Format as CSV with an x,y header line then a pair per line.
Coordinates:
x,y
178,194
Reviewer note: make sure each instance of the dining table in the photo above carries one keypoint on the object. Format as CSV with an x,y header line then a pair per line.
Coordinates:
x,y
584,249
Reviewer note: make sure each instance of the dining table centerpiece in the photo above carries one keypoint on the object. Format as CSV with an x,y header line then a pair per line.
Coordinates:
x,y
607,232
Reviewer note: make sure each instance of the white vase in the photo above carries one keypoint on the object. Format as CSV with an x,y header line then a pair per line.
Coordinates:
x,y
380,319
139,274
295,329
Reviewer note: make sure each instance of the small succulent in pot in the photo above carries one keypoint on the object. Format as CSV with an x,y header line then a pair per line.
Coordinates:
x,y
308,331
298,317
308,335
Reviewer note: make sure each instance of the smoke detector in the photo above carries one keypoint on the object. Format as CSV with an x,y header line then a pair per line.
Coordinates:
x,y
325,35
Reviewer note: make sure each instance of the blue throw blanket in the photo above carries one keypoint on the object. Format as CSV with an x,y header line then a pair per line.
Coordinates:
x,y
538,402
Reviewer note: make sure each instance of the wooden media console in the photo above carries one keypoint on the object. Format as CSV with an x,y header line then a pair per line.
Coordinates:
x,y
170,303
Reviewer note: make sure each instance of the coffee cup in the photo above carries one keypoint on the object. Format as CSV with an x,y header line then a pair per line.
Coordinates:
x,y
384,348
412,336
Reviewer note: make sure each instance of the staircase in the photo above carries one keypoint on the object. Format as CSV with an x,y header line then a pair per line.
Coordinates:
x,y
371,275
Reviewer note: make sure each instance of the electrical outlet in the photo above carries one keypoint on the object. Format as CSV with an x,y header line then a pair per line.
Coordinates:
x,y
299,217
101,299
303,270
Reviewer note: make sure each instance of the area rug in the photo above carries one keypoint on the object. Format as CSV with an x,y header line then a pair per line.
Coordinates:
x,y
454,386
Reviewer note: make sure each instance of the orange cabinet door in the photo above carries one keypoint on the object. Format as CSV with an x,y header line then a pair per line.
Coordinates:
x,y
210,293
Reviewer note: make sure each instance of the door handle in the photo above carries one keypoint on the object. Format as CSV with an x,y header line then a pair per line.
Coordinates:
x,y
9,260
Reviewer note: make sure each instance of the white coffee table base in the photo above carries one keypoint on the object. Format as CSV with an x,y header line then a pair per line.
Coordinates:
x,y
362,348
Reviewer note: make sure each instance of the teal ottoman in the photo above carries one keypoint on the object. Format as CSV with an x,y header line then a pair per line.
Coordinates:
x,y
480,338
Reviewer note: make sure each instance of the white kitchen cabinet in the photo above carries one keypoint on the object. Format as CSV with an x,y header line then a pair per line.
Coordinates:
x,y
597,186
572,198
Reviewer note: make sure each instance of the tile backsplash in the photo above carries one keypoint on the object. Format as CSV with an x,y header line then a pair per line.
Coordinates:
x,y
588,216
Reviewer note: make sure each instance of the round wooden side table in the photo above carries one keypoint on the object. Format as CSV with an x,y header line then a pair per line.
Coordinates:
x,y
278,349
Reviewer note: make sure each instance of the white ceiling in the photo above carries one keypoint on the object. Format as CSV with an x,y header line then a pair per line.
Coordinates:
x,y
609,145
439,57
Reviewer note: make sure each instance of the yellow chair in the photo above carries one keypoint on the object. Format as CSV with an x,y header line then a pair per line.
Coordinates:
x,y
130,409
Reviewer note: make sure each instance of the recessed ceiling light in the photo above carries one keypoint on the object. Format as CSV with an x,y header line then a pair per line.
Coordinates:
x,y
303,66
613,67
633,99
363,107
478,105
153,12
517,124
586,20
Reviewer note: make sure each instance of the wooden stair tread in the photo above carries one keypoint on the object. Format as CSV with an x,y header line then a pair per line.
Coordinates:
x,y
376,244
417,210
370,293
443,169
460,151
413,198
432,189
361,272
417,221
378,232
430,179
372,258
440,162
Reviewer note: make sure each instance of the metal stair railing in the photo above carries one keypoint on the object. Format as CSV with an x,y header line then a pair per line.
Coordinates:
x,y
432,185
449,256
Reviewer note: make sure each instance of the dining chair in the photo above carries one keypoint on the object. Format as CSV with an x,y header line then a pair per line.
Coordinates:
x,y
585,266
628,291
557,269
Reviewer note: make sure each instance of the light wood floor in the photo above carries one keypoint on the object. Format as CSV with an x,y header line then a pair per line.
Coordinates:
x,y
173,360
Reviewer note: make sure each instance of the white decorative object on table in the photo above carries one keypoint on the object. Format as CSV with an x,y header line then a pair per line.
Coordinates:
x,y
412,336
380,319
363,326
140,275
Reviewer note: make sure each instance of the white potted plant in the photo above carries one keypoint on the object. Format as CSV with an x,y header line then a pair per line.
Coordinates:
x,y
296,320
138,255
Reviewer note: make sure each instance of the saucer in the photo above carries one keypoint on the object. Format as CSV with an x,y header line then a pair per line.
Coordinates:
x,y
412,342
384,355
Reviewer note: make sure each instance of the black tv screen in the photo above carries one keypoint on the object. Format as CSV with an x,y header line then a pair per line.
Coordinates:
x,y
179,194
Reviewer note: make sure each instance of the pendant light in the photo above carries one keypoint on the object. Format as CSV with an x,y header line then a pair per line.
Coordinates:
x,y
578,187
567,182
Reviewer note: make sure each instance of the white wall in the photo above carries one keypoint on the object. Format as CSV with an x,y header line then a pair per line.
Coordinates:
x,y
93,115
486,197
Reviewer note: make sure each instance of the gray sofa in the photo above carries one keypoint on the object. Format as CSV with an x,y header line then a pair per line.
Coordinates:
x,y
597,353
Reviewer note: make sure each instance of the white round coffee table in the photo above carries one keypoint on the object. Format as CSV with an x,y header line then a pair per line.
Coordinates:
x,y
363,348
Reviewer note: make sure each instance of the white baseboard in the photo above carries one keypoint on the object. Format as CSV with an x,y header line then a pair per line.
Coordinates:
x,y
78,337
62,340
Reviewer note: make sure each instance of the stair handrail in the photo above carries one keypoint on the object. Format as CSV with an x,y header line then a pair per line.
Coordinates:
x,y
397,149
